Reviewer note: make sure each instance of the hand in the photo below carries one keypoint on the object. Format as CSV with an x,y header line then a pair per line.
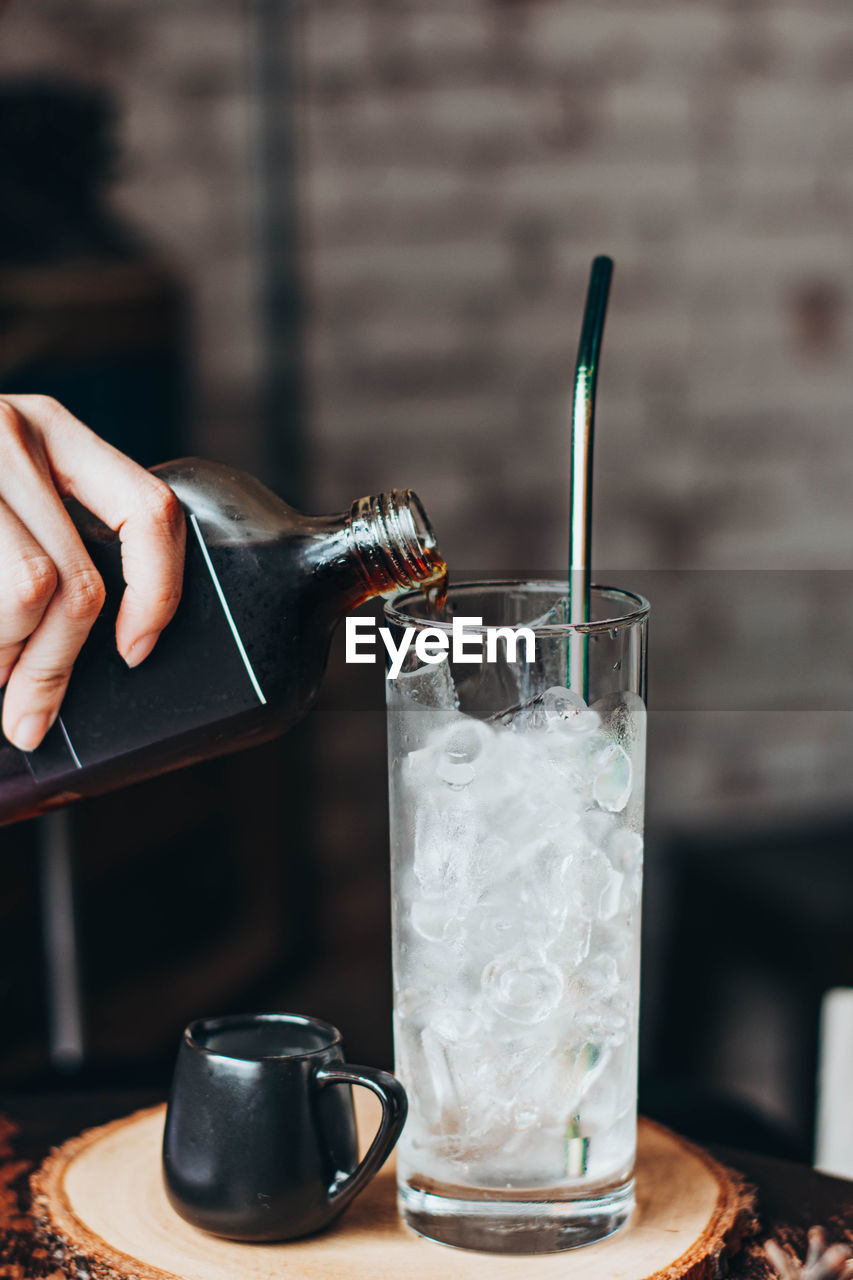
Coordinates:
x,y
50,592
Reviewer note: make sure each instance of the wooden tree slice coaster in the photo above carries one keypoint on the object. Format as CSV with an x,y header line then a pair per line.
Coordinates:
x,y
100,1209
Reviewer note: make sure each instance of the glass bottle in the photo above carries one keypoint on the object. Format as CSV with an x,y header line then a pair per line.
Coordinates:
x,y
242,659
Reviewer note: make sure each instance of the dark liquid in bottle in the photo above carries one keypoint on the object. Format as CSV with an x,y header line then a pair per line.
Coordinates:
x,y
240,662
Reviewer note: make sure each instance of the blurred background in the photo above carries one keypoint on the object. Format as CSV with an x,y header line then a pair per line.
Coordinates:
x,y
344,246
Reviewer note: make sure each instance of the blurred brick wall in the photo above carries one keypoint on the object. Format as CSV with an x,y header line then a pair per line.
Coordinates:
x,y
461,162
177,73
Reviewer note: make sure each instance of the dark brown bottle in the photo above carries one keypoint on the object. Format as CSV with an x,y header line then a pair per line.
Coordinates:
x,y
243,657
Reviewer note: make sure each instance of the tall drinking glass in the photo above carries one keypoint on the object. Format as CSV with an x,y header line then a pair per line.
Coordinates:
x,y
516,839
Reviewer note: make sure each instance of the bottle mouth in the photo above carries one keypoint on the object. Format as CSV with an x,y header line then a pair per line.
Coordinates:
x,y
395,541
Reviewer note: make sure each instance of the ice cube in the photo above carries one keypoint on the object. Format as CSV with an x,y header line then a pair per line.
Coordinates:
x,y
522,987
611,788
566,710
510,753
596,982
526,1114
607,1023
522,1111
624,722
589,1064
625,850
597,883
457,1025
456,1070
428,686
541,897
610,899
412,1065
508,1069
610,1094
439,1075
420,702
459,751
524,902
623,717
412,1003
563,767
597,827
572,945
617,939
433,918
520,718
498,793
553,802
438,963
495,923
445,844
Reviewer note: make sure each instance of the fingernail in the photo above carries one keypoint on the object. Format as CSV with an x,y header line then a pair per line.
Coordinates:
x,y
30,730
141,648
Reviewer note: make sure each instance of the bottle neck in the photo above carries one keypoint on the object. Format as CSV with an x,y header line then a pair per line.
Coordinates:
x,y
393,543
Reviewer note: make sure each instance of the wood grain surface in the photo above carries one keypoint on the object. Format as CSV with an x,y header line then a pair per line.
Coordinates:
x,y
100,1211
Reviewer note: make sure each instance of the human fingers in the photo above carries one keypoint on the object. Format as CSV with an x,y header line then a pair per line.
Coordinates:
x,y
41,670
137,505
28,580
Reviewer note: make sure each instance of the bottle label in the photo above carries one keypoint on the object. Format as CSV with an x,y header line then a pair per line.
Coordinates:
x,y
198,674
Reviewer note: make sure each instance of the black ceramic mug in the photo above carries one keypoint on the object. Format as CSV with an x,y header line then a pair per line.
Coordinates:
x,y
260,1141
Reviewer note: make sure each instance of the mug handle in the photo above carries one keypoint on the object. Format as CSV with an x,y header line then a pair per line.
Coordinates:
x,y
395,1105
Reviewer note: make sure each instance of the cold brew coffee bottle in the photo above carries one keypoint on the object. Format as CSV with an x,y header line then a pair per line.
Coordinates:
x,y
245,653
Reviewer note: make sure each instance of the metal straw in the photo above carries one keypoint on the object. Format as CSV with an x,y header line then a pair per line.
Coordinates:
x,y
580,484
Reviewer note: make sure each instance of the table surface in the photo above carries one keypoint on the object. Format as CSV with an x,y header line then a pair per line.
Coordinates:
x,y
791,1197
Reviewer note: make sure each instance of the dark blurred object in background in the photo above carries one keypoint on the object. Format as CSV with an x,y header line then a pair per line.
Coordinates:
x,y
56,155
183,898
88,313
759,930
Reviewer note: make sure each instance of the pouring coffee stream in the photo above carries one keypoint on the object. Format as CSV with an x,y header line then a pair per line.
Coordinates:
x,y
244,656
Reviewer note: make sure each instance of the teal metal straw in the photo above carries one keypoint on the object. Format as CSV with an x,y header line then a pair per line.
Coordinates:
x,y
580,485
